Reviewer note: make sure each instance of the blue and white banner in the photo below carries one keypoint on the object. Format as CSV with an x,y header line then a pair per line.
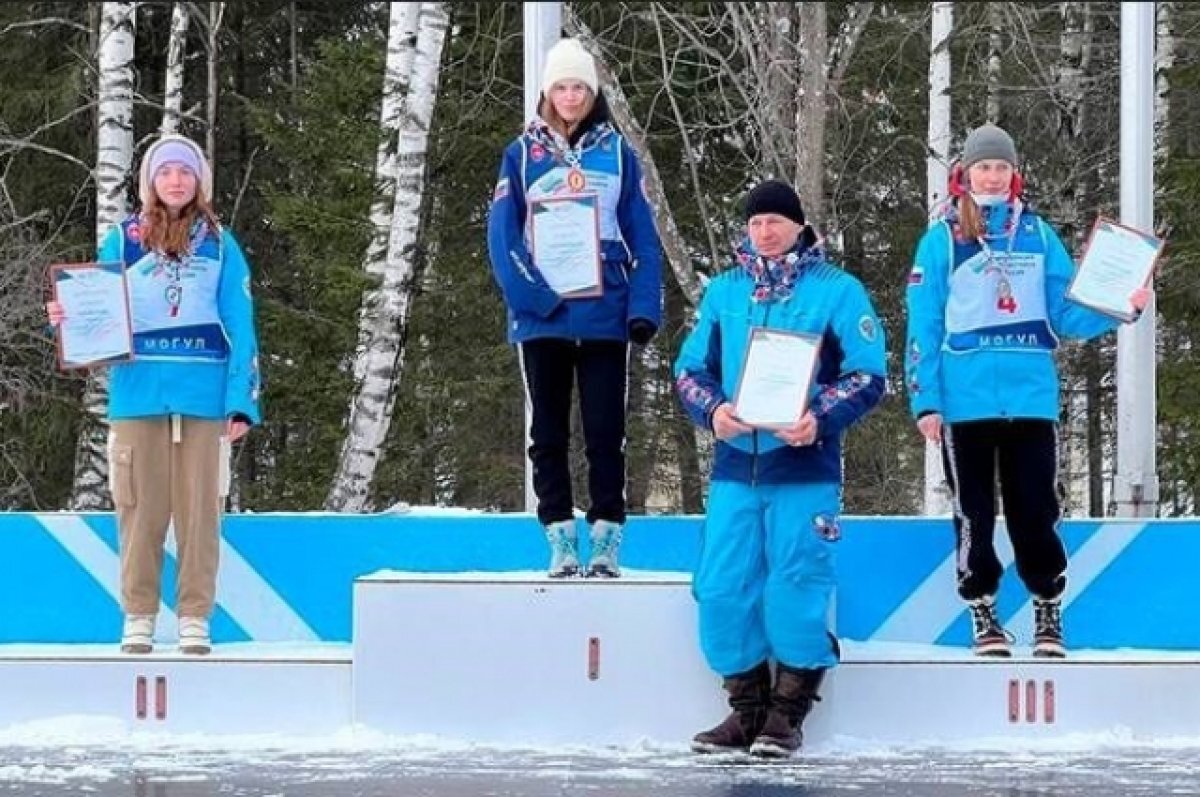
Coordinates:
x,y
289,577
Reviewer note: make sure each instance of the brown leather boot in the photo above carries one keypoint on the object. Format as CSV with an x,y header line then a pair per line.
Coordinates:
x,y
749,697
793,698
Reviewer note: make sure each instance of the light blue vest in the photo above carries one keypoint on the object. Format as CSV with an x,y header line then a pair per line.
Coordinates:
x,y
997,296
174,305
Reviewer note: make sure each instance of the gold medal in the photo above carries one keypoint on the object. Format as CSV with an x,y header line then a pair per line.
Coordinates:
x,y
576,180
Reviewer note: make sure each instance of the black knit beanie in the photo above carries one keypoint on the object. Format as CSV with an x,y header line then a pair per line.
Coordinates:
x,y
774,196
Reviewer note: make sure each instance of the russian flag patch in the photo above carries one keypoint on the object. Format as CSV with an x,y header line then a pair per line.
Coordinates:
x,y
501,189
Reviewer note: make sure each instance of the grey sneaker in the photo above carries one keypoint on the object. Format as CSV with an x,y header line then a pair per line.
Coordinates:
x,y
606,544
564,549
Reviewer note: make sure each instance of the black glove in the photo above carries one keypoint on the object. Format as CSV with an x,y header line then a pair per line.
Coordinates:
x,y
641,331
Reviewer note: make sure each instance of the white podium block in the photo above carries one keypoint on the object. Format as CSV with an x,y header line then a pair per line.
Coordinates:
x,y
947,696
239,689
519,659
522,659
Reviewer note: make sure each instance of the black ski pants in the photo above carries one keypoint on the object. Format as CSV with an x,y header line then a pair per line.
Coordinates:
x,y
1023,453
552,368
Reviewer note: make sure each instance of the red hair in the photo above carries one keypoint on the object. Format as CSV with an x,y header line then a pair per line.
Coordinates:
x,y
170,235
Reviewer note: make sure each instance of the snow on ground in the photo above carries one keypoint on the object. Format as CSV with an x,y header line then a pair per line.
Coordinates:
x,y
101,757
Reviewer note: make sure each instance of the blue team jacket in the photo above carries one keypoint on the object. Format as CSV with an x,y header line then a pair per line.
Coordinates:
x,y
983,330
849,381
195,349
630,251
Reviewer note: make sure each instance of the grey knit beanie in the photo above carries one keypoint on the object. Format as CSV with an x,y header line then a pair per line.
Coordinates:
x,y
987,143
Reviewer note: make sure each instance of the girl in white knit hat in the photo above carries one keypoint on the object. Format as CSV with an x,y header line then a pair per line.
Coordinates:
x,y
190,389
569,334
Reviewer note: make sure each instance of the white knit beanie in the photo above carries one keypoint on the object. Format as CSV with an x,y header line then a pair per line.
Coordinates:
x,y
567,60
174,149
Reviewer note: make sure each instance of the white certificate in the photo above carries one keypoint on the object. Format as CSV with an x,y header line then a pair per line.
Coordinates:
x,y
95,329
566,243
773,389
1118,260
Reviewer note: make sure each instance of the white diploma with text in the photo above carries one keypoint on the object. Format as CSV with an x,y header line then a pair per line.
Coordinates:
x,y
1117,261
772,391
96,328
565,236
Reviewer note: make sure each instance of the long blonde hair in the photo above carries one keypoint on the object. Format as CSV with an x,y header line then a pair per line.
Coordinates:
x,y
970,218
171,236
557,123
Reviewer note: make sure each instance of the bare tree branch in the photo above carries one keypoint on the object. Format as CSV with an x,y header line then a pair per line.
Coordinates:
x,y
688,152
672,239
18,144
237,204
841,53
43,22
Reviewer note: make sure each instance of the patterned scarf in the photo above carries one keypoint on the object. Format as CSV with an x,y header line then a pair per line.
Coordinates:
x,y
775,279
553,141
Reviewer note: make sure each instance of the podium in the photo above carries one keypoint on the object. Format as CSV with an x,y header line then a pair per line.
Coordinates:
x,y
517,659
239,689
520,659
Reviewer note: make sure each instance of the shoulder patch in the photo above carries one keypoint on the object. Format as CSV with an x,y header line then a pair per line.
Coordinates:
x,y
868,329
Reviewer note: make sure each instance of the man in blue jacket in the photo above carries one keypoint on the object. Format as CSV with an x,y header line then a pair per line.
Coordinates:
x,y
766,573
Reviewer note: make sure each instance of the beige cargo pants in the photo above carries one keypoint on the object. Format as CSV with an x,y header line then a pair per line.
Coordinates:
x,y
165,469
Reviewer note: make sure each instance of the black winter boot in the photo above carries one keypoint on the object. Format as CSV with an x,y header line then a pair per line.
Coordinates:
x,y
793,698
1048,632
750,699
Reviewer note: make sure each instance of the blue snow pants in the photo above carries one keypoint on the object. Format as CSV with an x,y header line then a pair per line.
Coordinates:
x,y
766,575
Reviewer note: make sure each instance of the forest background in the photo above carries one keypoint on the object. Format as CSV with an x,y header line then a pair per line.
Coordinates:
x,y
356,146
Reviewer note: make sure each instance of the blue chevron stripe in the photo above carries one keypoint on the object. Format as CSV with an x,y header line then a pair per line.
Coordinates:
x,y
290,576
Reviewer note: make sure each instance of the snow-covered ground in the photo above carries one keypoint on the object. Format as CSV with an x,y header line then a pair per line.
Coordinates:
x,y
81,756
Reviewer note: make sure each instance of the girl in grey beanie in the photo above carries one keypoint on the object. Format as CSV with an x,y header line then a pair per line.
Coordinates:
x,y
987,305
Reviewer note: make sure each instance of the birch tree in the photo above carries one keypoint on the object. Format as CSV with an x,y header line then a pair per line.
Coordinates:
x,y
1164,61
114,160
937,178
812,50
216,13
401,51
385,308
995,16
176,50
